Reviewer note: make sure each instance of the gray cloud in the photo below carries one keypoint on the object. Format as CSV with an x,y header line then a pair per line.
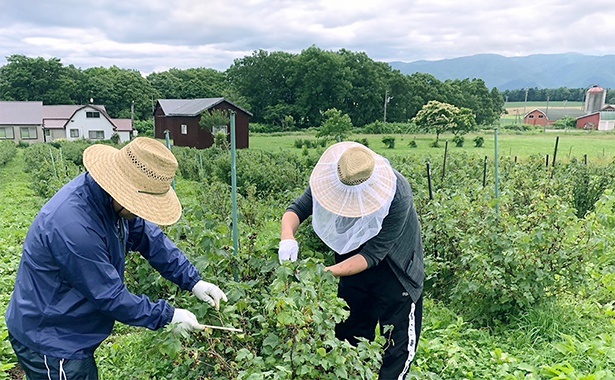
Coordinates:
x,y
155,35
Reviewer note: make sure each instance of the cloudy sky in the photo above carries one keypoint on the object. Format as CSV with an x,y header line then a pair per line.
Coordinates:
x,y
155,35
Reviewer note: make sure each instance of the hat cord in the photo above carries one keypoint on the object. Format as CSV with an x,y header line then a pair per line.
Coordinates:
x,y
152,193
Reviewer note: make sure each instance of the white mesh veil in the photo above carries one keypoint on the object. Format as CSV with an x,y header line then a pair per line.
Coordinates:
x,y
346,216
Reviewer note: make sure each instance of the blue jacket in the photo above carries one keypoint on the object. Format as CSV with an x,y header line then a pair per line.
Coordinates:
x,y
70,287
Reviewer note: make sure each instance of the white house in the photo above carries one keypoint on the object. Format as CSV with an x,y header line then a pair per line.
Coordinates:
x,y
90,122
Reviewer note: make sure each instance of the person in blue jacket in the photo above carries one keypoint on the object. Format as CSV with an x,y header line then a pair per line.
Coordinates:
x,y
70,289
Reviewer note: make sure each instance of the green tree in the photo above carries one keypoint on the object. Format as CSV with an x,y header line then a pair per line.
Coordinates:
x,y
189,84
335,125
322,83
435,116
465,122
117,89
46,80
474,94
265,82
364,100
213,118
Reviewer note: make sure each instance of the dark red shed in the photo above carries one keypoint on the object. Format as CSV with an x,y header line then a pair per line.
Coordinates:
x,y
181,118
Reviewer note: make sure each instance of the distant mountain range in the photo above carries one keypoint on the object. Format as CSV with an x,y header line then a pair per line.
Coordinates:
x,y
569,70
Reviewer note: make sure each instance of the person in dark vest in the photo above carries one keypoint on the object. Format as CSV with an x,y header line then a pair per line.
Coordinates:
x,y
70,290
363,209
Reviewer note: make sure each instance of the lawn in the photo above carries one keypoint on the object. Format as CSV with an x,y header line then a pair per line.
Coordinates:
x,y
598,146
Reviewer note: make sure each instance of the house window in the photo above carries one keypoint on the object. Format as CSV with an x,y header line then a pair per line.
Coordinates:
x,y
27,133
541,116
96,135
47,132
218,129
92,115
184,129
74,133
531,116
7,133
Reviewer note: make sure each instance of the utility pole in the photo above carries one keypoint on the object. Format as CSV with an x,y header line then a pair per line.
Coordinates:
x,y
387,99
525,104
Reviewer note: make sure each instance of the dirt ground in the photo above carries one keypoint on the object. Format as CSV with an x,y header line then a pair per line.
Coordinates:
x,y
16,373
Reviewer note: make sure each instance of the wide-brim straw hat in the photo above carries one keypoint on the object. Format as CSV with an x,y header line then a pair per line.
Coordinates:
x,y
138,176
351,180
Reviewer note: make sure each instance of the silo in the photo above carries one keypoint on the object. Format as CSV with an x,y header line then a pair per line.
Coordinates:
x,y
595,99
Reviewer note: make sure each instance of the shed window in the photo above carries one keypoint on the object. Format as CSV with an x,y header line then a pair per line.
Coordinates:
x,y
96,135
74,133
6,133
92,115
541,116
184,129
531,116
218,129
27,133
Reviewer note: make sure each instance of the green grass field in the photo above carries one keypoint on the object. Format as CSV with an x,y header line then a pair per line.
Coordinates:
x,y
598,146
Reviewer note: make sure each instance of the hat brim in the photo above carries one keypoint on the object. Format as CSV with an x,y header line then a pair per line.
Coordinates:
x,y
101,162
365,198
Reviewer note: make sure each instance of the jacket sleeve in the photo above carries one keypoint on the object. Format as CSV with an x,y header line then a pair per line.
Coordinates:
x,y
162,254
85,263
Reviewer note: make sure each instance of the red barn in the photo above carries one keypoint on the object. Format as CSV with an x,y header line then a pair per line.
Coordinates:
x,y
549,116
181,118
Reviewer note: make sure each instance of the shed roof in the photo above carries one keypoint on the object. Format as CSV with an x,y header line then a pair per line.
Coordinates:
x,y
191,107
21,113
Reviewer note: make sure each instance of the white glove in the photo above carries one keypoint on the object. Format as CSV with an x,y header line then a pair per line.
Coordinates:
x,y
288,250
187,321
209,293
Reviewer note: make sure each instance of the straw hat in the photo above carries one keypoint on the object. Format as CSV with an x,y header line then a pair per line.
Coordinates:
x,y
351,180
138,177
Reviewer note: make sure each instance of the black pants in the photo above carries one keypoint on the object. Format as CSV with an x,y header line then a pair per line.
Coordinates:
x,y
44,367
376,296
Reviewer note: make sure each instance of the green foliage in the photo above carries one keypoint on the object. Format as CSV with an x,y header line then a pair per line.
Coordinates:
x,y
264,128
336,125
266,173
49,168
458,140
193,83
8,150
310,143
214,118
442,117
144,128
479,141
363,141
521,287
389,142
118,90
221,140
47,80
565,123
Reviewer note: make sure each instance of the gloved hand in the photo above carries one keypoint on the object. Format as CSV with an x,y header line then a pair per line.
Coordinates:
x,y
209,293
288,250
187,321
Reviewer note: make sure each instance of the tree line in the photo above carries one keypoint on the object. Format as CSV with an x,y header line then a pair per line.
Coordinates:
x,y
280,89
535,94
